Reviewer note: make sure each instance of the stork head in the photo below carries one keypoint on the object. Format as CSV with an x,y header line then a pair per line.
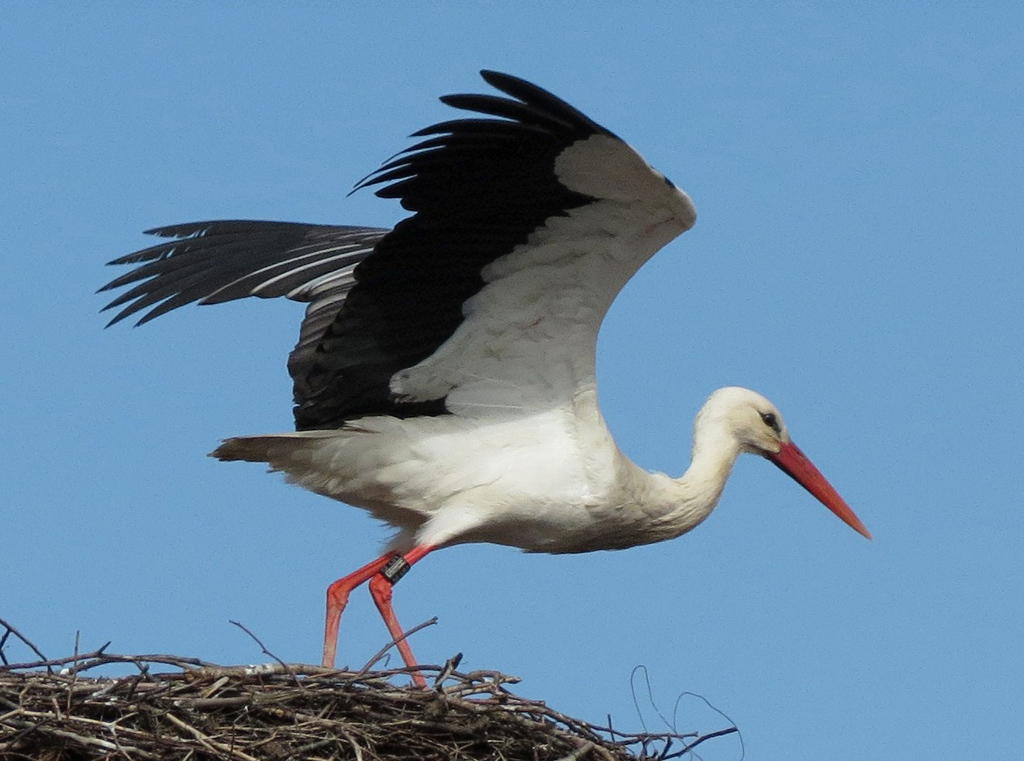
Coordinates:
x,y
757,426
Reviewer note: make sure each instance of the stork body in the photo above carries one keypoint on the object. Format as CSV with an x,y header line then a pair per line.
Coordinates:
x,y
549,482
445,371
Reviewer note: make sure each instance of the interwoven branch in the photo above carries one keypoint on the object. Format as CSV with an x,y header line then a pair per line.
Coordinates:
x,y
54,710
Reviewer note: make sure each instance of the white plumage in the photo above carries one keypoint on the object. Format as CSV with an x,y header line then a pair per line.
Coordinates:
x,y
445,371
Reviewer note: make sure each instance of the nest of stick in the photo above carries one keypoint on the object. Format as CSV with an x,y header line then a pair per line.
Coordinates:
x,y
54,710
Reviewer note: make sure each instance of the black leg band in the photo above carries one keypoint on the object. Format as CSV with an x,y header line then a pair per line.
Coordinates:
x,y
395,569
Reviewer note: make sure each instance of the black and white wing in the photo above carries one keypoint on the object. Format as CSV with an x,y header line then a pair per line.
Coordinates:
x,y
214,262
527,221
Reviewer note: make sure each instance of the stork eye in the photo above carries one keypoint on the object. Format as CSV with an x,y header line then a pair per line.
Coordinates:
x,y
771,421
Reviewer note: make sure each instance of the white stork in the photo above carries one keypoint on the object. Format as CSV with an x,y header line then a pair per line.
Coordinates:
x,y
444,374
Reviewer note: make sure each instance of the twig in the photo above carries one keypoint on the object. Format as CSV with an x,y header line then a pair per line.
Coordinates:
x,y
210,671
449,667
380,653
71,685
263,647
702,738
579,753
66,734
209,742
352,741
12,630
98,657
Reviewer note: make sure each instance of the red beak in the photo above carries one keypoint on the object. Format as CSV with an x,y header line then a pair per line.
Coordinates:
x,y
794,462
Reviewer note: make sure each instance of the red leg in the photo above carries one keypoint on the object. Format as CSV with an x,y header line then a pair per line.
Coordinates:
x,y
381,590
337,599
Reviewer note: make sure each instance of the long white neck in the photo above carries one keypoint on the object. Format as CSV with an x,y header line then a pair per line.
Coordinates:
x,y
681,503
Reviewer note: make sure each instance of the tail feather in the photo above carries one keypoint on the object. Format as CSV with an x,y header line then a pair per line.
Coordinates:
x,y
273,449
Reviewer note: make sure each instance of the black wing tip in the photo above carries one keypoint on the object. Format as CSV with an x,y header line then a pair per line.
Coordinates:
x,y
537,96
500,79
527,106
128,311
120,316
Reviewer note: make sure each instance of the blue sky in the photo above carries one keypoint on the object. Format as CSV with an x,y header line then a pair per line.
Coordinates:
x,y
858,177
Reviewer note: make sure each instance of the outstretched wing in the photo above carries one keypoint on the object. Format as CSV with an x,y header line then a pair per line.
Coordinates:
x,y
488,299
213,262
